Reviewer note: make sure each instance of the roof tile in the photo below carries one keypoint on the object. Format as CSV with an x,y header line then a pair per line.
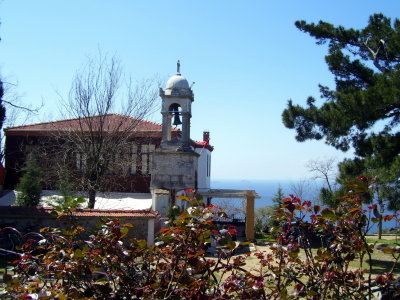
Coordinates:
x,y
113,213
198,144
109,122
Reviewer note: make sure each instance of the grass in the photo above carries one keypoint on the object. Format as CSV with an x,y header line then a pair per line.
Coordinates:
x,y
262,239
381,262
391,243
384,266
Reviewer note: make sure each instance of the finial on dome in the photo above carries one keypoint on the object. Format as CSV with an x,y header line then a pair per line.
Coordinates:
x,y
178,67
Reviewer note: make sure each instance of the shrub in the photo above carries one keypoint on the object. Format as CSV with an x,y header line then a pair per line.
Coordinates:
x,y
29,188
108,266
178,267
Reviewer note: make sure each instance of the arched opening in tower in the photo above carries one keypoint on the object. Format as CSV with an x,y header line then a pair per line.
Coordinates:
x,y
175,112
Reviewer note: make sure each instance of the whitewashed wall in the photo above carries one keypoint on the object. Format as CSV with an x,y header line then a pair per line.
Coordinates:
x,y
204,169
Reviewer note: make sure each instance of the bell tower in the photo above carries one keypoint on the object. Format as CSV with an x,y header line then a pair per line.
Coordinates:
x,y
176,108
174,164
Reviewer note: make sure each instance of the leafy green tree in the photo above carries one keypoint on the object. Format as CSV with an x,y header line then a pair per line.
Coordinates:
x,y
363,110
29,188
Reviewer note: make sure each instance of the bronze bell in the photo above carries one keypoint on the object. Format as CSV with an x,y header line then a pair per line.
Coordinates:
x,y
177,120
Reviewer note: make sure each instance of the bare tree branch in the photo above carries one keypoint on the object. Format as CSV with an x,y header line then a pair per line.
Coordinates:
x,y
323,169
101,140
32,110
17,112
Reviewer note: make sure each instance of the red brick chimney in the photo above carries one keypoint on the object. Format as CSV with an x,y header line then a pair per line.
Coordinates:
x,y
206,136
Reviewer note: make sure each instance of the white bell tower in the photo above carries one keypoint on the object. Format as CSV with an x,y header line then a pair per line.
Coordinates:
x,y
174,164
176,109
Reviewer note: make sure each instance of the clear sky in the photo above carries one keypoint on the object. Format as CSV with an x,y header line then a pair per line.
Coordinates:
x,y
246,57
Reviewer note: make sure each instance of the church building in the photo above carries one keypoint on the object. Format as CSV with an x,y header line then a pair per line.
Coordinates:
x,y
160,163
161,160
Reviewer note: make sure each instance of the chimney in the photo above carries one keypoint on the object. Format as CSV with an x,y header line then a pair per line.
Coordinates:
x,y
206,136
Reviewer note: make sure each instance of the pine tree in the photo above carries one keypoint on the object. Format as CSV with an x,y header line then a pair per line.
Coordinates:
x,y
64,182
29,188
278,196
363,110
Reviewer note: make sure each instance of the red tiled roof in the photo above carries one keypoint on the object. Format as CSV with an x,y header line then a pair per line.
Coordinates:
x,y
109,122
118,213
198,144
38,211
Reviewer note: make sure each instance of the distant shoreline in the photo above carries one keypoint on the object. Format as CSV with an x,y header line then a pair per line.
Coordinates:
x,y
268,188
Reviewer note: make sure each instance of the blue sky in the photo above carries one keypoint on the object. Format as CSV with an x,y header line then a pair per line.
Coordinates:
x,y
246,57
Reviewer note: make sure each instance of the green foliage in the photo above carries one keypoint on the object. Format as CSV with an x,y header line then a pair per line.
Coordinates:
x,y
69,203
29,187
329,198
173,212
107,265
64,182
279,195
362,111
66,207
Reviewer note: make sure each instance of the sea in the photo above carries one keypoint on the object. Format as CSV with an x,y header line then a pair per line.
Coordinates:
x,y
267,189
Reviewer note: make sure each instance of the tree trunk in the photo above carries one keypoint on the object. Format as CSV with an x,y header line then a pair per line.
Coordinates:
x,y
92,198
381,211
380,227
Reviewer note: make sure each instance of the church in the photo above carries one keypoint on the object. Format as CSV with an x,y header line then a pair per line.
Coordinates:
x,y
160,163
158,157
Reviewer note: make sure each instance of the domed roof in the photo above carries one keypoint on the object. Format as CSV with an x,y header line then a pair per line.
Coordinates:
x,y
177,82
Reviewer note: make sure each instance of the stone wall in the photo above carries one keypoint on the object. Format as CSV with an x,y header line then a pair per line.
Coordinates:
x,y
174,170
31,219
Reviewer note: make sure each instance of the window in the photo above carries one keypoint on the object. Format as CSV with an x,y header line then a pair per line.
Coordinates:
x,y
134,149
146,157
